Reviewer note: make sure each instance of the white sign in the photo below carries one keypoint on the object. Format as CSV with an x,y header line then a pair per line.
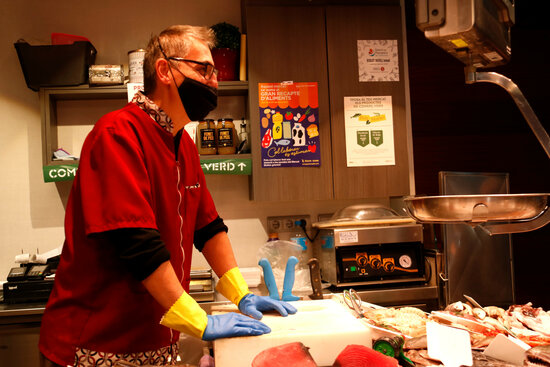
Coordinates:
x,y
348,237
378,60
369,131
133,88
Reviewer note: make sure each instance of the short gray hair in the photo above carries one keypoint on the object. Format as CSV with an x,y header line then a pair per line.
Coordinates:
x,y
174,40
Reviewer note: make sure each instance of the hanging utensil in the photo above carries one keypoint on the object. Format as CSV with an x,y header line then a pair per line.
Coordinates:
x,y
353,301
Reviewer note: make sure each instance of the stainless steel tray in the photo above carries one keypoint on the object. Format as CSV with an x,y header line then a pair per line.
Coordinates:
x,y
499,213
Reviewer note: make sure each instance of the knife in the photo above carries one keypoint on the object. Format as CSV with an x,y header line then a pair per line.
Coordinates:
x,y
315,276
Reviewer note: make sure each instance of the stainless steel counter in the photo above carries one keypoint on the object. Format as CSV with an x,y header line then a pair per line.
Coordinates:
x,y
383,296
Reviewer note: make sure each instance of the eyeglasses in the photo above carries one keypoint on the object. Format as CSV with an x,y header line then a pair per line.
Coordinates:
x,y
206,70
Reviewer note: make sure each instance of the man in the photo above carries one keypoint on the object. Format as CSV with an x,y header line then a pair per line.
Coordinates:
x,y
137,205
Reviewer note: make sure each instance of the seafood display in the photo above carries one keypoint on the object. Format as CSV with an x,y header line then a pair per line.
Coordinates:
x,y
538,356
410,321
525,322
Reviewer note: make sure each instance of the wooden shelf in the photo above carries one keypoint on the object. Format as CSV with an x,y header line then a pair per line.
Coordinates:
x,y
48,111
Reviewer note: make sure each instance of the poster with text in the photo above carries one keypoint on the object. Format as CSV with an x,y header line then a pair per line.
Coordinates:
x,y
289,124
369,131
378,60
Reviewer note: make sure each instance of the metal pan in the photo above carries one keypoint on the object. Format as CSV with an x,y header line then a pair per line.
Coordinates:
x,y
476,208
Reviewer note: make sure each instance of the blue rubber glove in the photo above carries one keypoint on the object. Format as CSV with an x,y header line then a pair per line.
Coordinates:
x,y
252,305
232,324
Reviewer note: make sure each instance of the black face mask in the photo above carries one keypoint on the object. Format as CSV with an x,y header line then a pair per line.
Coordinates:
x,y
198,99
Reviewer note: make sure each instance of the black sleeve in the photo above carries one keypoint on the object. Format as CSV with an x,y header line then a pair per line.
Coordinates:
x,y
141,249
207,232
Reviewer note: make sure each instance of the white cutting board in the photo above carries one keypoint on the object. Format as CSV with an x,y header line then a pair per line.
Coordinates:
x,y
325,326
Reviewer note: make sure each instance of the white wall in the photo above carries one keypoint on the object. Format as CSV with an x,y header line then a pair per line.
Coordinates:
x,y
31,211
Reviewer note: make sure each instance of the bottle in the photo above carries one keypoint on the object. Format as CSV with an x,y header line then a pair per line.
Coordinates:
x,y
244,146
206,137
277,130
273,236
225,132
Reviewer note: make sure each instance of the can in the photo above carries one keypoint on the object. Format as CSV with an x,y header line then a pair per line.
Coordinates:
x,y
135,65
106,74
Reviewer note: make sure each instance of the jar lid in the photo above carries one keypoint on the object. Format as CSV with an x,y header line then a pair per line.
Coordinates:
x,y
225,119
136,50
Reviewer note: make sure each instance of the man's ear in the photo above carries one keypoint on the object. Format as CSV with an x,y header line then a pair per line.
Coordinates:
x,y
164,74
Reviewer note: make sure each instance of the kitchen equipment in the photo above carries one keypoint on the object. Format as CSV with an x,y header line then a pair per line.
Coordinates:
x,y
353,301
363,214
498,213
473,31
476,208
477,32
325,326
473,258
315,277
288,281
386,252
269,279
201,285
392,347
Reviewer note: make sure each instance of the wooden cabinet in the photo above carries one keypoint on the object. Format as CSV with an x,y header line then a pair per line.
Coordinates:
x,y
288,44
317,42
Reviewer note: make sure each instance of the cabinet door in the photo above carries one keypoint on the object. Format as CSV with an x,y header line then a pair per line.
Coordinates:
x,y
287,43
345,25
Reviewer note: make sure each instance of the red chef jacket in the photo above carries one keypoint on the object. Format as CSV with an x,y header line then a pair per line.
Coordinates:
x,y
128,177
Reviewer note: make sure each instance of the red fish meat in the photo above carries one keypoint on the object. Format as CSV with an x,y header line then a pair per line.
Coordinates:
x,y
361,356
286,355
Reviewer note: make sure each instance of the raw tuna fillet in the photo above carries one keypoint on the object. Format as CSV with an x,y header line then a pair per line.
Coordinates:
x,y
360,356
286,355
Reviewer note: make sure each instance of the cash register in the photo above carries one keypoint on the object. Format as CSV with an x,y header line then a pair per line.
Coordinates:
x,y
30,282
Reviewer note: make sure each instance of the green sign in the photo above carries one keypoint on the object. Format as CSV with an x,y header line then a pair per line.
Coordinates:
x,y
60,172
377,137
237,166
363,138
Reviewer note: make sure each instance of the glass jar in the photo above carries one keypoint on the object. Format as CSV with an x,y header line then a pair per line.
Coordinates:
x,y
206,137
226,136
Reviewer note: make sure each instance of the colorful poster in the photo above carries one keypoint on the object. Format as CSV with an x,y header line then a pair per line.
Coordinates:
x,y
369,131
289,124
378,60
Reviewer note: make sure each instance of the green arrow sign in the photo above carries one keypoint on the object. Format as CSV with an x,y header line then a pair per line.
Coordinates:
x,y
237,166
60,172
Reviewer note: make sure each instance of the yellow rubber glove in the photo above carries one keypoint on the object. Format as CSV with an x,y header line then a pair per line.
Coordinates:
x,y
186,316
233,286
